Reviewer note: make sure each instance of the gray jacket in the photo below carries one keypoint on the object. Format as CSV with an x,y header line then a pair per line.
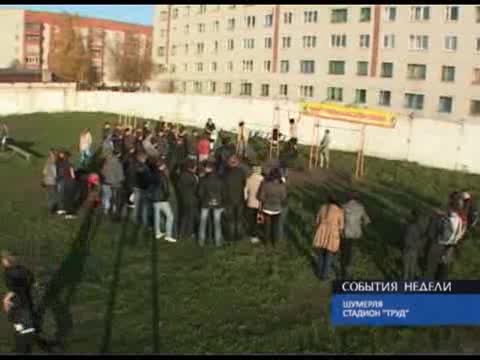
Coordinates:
x,y
355,217
50,174
113,172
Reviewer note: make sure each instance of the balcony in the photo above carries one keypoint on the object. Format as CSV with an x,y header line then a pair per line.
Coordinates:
x,y
33,29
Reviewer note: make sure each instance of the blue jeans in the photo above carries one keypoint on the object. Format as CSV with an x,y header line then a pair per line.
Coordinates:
x,y
164,208
324,261
141,207
106,198
217,217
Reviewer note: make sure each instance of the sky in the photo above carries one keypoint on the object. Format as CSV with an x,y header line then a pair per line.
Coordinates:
x,y
139,14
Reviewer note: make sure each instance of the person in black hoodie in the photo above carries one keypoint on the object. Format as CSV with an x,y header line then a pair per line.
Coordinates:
x,y
20,315
212,195
222,154
142,183
160,193
187,185
235,181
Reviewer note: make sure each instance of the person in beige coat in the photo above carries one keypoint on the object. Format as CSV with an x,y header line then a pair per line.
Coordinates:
x,y
251,189
330,223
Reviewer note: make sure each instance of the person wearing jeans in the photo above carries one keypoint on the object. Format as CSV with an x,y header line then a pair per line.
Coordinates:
x,y
160,193
142,183
212,197
330,225
114,176
251,189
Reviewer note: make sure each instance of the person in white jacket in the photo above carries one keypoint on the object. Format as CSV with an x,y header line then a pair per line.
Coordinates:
x,y
253,205
85,147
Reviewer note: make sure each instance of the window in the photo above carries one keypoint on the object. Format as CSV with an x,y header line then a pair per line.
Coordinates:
x,y
477,44
476,76
360,96
212,85
384,97
310,17
306,91
418,42
268,20
216,26
336,67
200,48
232,6
202,9
201,28
231,24
414,101
250,21
365,14
246,89
230,44
284,66
477,14
339,16
215,46
386,70
445,104
186,29
267,65
248,43
227,88
265,90
175,13
365,41
174,50
161,51
185,67
338,40
307,66
163,33
389,41
163,16
199,67
286,42
362,68
187,10
34,60
247,65
419,13
173,68
451,13
475,107
268,43
230,66
390,13
32,38
287,18
283,89
183,88
309,41
213,67
335,94
197,87
448,73
450,43
416,72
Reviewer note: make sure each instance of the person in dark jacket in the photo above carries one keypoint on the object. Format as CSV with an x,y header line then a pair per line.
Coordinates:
x,y
222,154
272,196
20,315
192,145
179,155
211,194
160,194
65,185
128,141
413,244
235,181
187,185
142,183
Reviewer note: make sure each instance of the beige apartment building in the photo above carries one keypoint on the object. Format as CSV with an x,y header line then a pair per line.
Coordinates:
x,y
28,37
422,60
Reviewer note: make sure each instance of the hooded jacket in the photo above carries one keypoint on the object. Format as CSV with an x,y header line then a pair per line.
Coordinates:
x,y
211,191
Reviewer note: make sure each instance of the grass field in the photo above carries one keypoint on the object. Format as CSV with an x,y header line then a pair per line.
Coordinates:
x,y
135,295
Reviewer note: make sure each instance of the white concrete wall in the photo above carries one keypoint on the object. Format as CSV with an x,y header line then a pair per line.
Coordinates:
x,y
435,143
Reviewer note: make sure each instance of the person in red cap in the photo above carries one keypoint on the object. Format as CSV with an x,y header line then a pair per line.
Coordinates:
x,y
94,198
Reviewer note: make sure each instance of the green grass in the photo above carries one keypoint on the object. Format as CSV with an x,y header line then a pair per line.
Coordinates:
x,y
135,295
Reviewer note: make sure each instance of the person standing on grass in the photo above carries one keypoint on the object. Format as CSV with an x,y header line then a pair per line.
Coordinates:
x,y
325,150
22,319
187,186
50,181
192,145
235,180
253,205
330,225
160,194
128,141
142,183
210,130
211,193
203,148
222,154
85,147
3,136
113,178
272,196
70,187
413,243
355,218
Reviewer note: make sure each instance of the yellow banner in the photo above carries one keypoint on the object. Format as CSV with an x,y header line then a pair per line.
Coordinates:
x,y
334,111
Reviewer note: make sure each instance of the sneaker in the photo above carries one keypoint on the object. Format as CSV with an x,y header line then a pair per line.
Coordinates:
x,y
159,236
170,239
61,212
70,217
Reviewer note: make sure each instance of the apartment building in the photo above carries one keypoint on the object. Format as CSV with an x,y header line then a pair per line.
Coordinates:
x,y
27,37
422,60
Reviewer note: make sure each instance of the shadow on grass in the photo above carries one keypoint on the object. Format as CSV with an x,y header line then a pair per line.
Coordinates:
x,y
61,288
155,300
27,146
